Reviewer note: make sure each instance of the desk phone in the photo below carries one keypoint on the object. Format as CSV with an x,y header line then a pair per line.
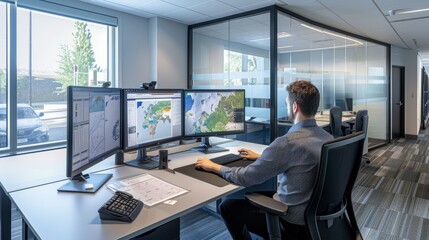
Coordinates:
x,y
121,207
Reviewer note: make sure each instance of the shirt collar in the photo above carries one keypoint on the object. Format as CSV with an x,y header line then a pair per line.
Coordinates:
x,y
305,123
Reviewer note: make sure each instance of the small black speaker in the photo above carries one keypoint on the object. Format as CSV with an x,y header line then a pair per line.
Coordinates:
x,y
163,159
119,158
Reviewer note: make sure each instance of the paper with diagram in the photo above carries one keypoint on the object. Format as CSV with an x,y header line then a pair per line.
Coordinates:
x,y
148,189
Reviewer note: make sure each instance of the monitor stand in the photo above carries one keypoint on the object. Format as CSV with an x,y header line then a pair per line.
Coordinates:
x,y
206,147
143,160
82,182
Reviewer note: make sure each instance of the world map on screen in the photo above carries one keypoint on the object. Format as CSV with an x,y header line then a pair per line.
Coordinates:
x,y
154,120
214,112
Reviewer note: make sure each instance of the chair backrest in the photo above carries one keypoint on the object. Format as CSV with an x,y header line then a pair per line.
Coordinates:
x,y
360,121
349,102
331,197
341,103
335,117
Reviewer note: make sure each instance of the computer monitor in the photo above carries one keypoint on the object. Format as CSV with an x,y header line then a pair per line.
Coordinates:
x,y
93,134
151,117
213,113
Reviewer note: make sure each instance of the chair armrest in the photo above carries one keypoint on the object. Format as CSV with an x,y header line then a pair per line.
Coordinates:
x,y
267,204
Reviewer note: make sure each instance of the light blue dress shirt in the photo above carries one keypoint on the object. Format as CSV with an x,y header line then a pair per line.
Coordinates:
x,y
295,158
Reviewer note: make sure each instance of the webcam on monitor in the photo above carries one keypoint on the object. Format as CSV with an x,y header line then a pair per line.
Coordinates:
x,y
148,86
106,84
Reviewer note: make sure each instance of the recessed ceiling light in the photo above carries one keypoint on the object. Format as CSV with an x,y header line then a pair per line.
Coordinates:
x,y
413,11
399,11
286,46
330,33
279,35
283,34
321,48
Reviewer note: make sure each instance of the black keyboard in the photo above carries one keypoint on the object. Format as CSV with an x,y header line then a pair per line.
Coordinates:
x,y
121,207
227,158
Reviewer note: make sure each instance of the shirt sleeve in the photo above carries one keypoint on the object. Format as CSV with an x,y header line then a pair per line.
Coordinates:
x,y
225,172
265,167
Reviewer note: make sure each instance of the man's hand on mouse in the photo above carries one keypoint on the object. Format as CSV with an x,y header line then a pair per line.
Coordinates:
x,y
249,154
207,165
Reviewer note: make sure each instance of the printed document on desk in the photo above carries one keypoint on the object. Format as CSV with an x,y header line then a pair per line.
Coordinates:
x,y
147,188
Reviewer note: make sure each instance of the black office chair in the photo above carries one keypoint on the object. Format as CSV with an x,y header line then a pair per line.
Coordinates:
x,y
341,103
361,124
329,214
337,128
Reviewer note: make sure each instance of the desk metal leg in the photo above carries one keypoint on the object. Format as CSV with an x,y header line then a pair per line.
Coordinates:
x,y
264,135
6,215
24,230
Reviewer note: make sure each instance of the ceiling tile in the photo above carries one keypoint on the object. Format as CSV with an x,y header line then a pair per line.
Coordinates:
x,y
186,3
159,7
121,6
211,8
186,16
230,12
242,3
261,4
408,32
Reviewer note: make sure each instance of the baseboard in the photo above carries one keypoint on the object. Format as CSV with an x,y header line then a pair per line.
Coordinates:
x,y
409,136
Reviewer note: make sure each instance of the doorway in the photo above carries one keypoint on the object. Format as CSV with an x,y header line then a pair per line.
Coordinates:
x,y
398,117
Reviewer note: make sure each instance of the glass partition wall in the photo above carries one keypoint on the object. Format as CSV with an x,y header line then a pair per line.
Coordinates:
x,y
235,54
350,71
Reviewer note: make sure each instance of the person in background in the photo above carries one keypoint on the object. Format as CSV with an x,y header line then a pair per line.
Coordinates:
x,y
294,158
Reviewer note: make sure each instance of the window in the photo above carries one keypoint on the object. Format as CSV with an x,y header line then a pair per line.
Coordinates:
x,y
3,75
77,54
56,46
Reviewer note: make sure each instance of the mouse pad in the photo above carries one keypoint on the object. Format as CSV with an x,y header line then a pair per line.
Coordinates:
x,y
210,177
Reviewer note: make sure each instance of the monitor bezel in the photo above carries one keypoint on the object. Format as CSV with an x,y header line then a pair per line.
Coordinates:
x,y
70,89
213,134
125,91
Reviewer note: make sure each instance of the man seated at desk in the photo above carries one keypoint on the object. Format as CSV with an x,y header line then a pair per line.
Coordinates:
x,y
294,157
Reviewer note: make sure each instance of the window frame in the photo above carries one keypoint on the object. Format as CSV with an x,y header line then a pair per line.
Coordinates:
x,y
11,62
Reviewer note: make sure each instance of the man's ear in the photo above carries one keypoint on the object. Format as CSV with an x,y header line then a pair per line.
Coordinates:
x,y
295,107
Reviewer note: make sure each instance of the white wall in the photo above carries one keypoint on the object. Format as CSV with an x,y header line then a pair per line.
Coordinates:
x,y
153,63
409,59
169,48
133,43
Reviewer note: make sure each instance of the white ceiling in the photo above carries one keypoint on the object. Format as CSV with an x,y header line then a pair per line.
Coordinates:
x,y
369,18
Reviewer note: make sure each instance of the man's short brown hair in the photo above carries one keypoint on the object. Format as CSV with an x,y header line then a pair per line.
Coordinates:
x,y
306,95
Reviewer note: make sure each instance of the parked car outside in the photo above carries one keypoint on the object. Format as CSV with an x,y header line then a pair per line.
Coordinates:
x,y
30,128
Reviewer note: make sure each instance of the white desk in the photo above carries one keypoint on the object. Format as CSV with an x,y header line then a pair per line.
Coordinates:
x,y
61,215
25,171
321,121
34,169
31,170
